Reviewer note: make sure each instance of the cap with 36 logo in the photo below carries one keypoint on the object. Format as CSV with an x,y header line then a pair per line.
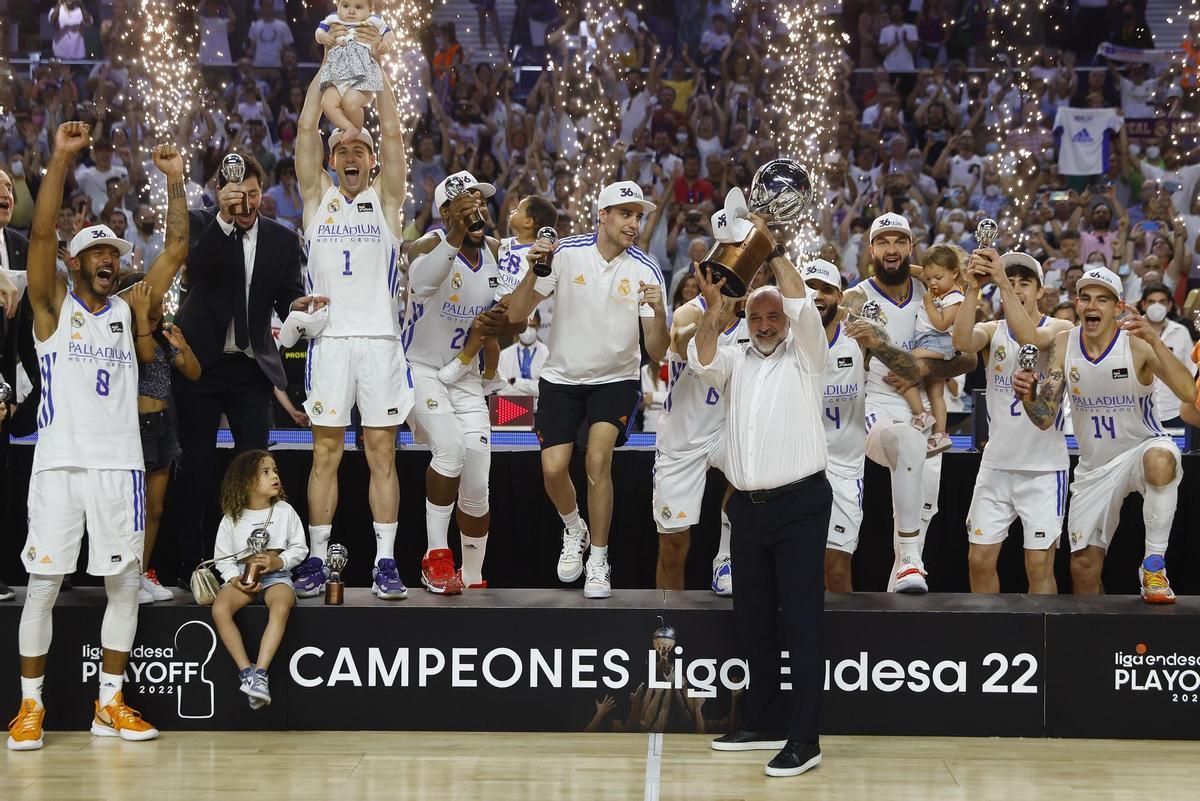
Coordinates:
x,y
823,271
621,193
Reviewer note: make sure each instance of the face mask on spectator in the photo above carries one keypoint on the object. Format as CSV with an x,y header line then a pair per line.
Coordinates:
x,y
527,336
681,137
957,227
1156,312
992,190
1152,152
1135,149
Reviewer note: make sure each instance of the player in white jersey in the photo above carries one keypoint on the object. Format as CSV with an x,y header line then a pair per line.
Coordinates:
x,y
844,416
1023,473
352,231
452,284
87,464
891,439
1108,365
691,439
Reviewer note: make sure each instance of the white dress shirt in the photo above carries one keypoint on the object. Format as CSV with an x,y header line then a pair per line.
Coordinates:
x,y
510,369
249,248
774,434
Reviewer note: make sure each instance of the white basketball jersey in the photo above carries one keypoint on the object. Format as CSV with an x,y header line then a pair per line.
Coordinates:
x,y
87,416
1014,442
693,412
845,406
437,325
511,263
1111,410
900,321
352,260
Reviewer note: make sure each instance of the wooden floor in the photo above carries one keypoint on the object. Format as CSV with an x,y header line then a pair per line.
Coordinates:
x,y
580,767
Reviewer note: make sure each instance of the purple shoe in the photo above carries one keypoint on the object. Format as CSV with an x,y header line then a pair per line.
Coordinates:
x,y
387,583
310,577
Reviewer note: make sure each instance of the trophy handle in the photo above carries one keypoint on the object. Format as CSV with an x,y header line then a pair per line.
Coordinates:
x,y
251,575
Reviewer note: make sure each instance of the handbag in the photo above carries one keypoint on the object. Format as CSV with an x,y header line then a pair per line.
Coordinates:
x,y
204,583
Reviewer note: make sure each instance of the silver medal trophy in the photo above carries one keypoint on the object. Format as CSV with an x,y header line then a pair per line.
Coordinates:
x,y
549,235
1027,359
455,187
335,589
233,171
987,232
257,543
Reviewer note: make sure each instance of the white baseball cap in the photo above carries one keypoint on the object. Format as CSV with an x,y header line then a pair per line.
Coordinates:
x,y
97,235
1017,259
889,223
335,139
621,193
1101,276
823,271
439,194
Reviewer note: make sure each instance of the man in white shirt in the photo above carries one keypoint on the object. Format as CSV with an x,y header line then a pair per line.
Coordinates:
x,y
93,181
775,460
898,42
1137,91
1156,304
521,362
269,35
959,164
603,287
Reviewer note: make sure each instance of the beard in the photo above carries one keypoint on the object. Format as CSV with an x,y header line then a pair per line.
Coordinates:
x,y
766,345
828,315
891,277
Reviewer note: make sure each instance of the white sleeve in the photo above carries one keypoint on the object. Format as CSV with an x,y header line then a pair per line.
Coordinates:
x,y
428,271
717,372
812,346
297,544
545,284
1115,121
226,546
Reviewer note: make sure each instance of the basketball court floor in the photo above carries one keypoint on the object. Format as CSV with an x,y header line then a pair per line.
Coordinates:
x,y
398,766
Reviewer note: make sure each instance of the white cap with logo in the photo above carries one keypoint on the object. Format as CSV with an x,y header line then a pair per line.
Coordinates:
x,y
823,271
97,235
1017,259
889,224
470,183
338,134
1101,276
621,193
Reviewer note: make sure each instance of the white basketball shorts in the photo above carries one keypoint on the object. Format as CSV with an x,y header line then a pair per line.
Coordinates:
x,y
679,481
370,372
1097,495
846,517
1038,498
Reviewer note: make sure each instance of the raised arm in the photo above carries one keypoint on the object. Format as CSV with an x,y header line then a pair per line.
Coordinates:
x,y
310,152
1165,365
969,336
1043,409
393,174
167,264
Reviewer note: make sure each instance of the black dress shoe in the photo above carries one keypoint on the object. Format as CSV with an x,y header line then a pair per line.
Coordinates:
x,y
742,740
6,593
795,758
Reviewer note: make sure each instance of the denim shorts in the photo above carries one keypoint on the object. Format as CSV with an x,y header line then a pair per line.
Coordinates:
x,y
160,442
940,342
271,579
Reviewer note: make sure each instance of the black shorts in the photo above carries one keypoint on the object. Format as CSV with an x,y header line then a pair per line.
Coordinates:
x,y
562,408
160,442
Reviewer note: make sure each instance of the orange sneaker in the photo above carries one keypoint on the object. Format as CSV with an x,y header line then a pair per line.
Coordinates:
x,y
25,730
123,721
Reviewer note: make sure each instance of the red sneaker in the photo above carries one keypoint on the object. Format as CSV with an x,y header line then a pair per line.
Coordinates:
x,y
438,573
480,586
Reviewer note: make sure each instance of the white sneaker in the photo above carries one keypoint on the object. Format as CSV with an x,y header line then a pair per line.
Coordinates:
x,y
570,560
598,583
144,596
454,371
157,591
722,579
910,577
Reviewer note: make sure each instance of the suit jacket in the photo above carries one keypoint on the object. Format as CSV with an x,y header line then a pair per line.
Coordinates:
x,y
16,342
212,281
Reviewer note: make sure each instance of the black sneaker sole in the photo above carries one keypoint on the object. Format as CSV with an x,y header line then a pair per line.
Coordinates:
x,y
750,745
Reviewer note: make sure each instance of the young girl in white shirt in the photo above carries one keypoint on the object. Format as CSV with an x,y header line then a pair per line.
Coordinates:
x,y
941,272
252,499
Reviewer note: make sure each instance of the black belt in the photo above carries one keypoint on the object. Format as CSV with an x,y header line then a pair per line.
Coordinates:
x,y
159,413
762,496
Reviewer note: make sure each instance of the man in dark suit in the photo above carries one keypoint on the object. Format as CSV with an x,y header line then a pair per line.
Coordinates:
x,y
240,267
13,248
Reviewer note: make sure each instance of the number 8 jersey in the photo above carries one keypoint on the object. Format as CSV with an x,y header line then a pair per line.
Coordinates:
x,y
353,261
1111,410
87,414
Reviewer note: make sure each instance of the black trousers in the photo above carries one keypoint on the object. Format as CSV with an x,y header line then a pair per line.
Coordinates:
x,y
778,551
237,387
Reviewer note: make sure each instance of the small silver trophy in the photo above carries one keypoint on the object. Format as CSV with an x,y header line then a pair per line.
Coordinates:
x,y
986,232
335,589
456,186
872,313
6,392
233,170
257,543
549,235
1027,359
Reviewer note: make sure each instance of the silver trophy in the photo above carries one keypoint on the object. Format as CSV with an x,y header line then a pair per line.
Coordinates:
x,y
233,171
1027,359
549,235
6,392
871,313
335,589
257,543
986,232
455,187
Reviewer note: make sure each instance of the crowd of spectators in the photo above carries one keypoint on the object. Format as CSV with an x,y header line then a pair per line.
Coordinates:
x,y
929,119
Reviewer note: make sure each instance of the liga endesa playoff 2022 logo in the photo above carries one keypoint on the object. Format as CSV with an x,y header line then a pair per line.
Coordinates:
x,y
1143,670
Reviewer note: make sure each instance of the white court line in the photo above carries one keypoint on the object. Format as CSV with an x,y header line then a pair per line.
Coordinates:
x,y
653,767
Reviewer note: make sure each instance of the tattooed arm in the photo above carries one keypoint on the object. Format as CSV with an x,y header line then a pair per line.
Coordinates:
x,y
1043,409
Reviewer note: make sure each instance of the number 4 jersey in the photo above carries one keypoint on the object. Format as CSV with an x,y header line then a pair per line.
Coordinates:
x,y
87,415
1111,410
353,261
844,413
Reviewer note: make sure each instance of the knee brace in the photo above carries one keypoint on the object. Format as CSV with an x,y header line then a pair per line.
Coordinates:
x,y
446,443
36,629
120,615
477,465
906,448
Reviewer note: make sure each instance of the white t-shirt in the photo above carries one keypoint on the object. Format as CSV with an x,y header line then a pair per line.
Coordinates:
x,y
285,529
269,40
214,41
900,59
1136,97
1175,337
633,111
70,44
924,324
94,183
1187,177
1084,136
961,173
594,335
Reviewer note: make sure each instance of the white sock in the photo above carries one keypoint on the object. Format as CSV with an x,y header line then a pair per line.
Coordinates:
x,y
1158,513
31,689
598,554
571,518
385,541
437,525
110,685
910,548
473,551
318,540
726,531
